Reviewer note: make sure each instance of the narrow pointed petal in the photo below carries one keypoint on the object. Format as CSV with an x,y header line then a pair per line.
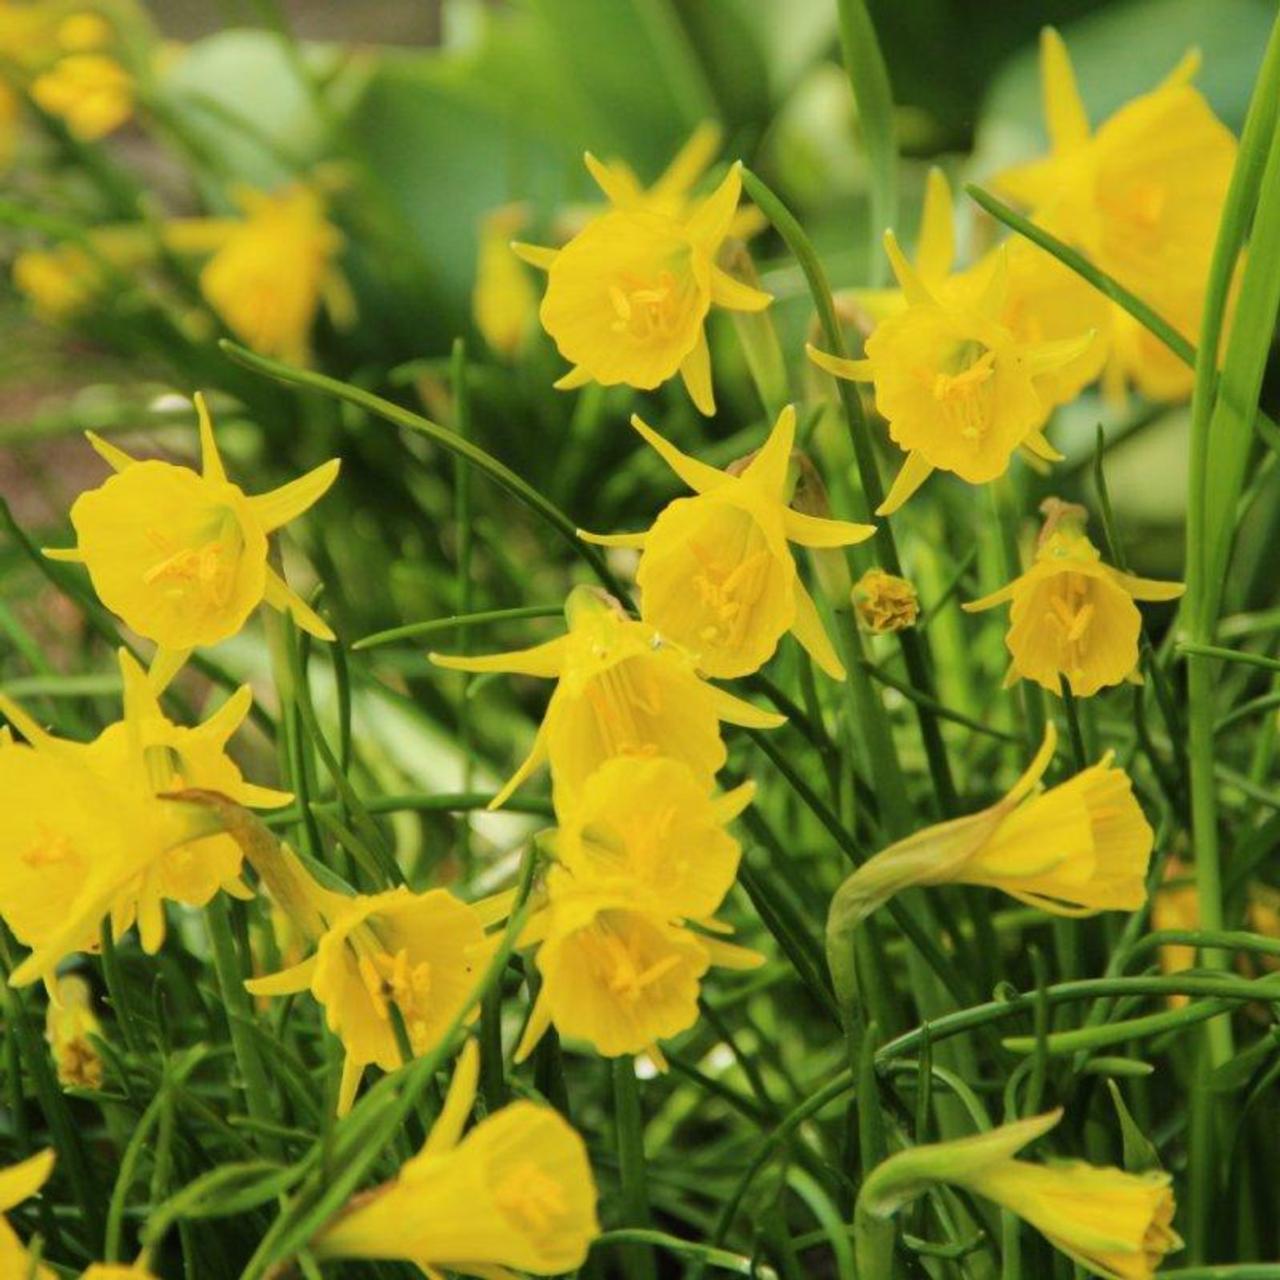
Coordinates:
x,y
913,288
571,381
732,803
536,1027
914,472
808,629
734,294
64,555
1035,770
139,697
1147,588
816,531
936,246
18,716
996,289
277,508
700,477
1036,442
709,223
728,955
841,366
769,467
1065,118
536,255
287,982
349,1085
210,459
221,726
616,181
695,369
1184,72
545,660
114,457
634,540
253,796
1044,357
458,1102
528,767
734,710
21,1181
165,664
989,602
281,596
691,161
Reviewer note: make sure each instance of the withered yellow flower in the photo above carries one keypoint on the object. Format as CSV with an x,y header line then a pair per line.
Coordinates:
x,y
960,390
181,555
621,690
385,956
1073,617
515,1192
1114,1224
1077,848
504,301
885,602
69,1022
1141,196
716,572
627,298
20,1182
89,837
273,269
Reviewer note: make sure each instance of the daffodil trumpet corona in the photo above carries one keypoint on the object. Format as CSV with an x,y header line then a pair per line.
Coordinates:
x,y
1114,1224
182,556
623,689
1080,847
513,1194
717,574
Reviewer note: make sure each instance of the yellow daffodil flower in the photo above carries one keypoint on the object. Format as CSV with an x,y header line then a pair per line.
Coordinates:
x,y
627,298
960,390
20,1182
616,977
69,1022
1044,301
1114,1224
272,270
640,850
89,837
117,1271
181,555
382,956
504,301
1077,848
621,690
1141,196
716,572
1073,617
885,602
514,1194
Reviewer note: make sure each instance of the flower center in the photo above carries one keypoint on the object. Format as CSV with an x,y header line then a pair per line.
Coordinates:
x,y
206,570
1069,615
532,1197
621,969
625,700
961,389
645,309
728,590
394,979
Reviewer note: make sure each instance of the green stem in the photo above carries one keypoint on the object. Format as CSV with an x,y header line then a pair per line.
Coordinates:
x,y
456,622
637,1259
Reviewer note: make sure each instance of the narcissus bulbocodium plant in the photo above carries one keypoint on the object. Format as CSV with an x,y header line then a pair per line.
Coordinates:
x,y
774,936
182,556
